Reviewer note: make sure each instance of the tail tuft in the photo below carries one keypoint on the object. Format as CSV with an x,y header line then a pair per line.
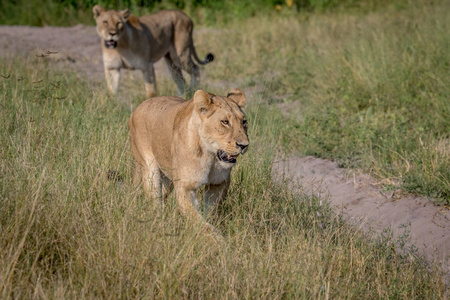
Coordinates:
x,y
209,58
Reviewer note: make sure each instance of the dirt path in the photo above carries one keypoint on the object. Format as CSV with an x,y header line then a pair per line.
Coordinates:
x,y
355,196
76,47
358,198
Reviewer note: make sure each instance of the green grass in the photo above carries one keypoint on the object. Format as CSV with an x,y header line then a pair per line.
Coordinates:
x,y
368,90
370,79
204,12
68,232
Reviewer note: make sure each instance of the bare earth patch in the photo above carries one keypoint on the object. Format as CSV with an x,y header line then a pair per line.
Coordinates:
x,y
357,197
354,195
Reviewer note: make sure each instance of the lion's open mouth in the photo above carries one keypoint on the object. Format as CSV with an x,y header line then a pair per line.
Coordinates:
x,y
110,44
225,157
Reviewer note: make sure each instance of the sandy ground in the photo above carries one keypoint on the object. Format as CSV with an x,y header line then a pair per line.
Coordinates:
x,y
356,196
359,198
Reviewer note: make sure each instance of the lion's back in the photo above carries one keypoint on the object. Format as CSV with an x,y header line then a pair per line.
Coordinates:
x,y
167,19
153,121
157,111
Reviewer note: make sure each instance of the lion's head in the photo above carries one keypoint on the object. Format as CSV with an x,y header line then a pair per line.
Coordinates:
x,y
223,124
110,24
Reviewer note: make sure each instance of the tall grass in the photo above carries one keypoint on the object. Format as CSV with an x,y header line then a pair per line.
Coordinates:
x,y
368,90
372,84
68,232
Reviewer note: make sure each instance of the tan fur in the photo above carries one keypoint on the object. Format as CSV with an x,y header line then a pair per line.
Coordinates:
x,y
137,43
177,141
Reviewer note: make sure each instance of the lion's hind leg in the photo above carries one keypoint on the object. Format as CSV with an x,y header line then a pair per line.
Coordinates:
x,y
152,180
194,71
175,71
183,56
192,68
150,80
137,174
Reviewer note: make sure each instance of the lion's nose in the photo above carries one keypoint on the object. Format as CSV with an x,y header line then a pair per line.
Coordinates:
x,y
242,144
112,33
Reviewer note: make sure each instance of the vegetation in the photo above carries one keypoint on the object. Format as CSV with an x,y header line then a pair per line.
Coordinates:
x,y
68,232
370,91
204,12
366,86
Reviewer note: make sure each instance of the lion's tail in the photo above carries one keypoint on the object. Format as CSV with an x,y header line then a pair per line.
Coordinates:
x,y
209,57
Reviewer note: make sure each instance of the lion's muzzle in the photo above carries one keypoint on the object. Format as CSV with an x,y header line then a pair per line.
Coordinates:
x,y
226,158
110,44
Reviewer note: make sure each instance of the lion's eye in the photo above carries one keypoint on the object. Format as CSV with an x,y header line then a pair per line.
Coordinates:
x,y
118,24
105,23
225,122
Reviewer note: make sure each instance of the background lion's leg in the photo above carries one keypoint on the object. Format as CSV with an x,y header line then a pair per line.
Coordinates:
x,y
112,80
194,71
214,193
177,75
183,56
150,81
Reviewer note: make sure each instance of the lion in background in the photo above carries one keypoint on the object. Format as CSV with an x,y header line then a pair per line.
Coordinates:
x,y
137,43
188,144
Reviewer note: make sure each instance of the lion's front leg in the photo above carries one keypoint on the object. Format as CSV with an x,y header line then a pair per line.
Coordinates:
x,y
214,193
189,206
150,81
187,201
112,80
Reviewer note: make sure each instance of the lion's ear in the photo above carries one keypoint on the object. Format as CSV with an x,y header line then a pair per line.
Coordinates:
x,y
125,14
202,100
134,21
238,96
97,10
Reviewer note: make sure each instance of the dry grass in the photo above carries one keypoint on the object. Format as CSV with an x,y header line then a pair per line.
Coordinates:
x,y
368,90
68,232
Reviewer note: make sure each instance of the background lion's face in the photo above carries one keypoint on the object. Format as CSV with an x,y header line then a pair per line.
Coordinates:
x,y
224,130
110,25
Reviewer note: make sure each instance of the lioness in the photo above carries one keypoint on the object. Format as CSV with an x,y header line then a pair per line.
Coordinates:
x,y
136,43
190,144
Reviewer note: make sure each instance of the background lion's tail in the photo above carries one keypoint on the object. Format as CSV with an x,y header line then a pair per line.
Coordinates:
x,y
209,57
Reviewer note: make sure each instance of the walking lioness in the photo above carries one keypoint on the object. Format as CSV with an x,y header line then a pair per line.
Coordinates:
x,y
190,144
137,43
